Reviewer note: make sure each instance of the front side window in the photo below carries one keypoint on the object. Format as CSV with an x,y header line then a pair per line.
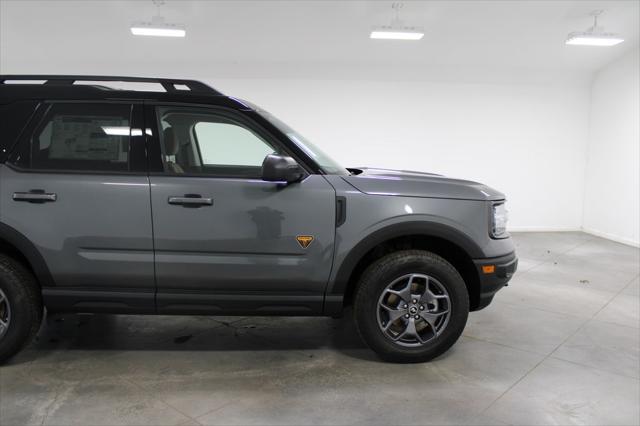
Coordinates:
x,y
201,142
86,137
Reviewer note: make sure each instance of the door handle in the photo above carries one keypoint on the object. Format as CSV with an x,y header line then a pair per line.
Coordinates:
x,y
191,200
37,196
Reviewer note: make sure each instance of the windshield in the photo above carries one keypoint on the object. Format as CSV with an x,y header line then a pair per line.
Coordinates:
x,y
326,163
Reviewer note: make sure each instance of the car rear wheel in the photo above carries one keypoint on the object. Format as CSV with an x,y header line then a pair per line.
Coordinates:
x,y
20,307
411,306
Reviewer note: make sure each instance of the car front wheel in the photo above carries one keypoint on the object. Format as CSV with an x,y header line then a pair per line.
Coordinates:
x,y
411,306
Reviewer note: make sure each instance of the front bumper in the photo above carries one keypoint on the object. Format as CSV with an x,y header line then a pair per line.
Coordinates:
x,y
494,273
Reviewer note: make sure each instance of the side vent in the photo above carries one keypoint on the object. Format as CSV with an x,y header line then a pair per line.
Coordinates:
x,y
341,211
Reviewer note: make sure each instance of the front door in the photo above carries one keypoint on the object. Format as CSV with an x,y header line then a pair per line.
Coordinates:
x,y
226,241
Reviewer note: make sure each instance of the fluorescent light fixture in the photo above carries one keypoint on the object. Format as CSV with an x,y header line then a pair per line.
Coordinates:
x,y
594,36
150,30
165,30
389,33
158,27
590,39
396,30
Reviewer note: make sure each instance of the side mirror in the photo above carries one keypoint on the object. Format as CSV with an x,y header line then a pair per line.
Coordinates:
x,y
280,168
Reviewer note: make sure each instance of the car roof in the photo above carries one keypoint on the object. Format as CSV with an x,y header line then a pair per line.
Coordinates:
x,y
105,88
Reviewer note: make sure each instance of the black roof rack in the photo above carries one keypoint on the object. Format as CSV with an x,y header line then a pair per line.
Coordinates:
x,y
168,84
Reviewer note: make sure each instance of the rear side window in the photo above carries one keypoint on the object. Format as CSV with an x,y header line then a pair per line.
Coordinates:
x,y
83,137
13,119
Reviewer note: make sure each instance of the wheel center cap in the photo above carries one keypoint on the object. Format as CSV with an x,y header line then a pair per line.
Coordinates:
x,y
413,310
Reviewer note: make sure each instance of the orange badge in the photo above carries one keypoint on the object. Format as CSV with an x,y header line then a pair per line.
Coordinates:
x,y
304,240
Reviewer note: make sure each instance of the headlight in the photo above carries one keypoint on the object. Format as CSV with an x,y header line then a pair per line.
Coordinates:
x,y
499,223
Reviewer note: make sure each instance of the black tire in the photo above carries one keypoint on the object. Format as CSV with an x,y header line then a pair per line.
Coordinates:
x,y
384,271
23,295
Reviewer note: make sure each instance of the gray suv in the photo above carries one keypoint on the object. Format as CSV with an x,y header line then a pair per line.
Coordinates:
x,y
167,197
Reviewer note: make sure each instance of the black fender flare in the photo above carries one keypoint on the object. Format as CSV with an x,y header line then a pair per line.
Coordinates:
x,y
338,288
30,252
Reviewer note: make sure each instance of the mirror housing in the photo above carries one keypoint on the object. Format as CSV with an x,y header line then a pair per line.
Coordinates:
x,y
281,168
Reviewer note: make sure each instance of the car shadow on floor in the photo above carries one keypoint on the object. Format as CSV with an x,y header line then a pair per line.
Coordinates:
x,y
100,332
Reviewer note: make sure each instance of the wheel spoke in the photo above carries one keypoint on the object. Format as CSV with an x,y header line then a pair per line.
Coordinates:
x,y
410,331
407,330
415,296
405,293
432,317
434,301
394,314
3,325
1,298
423,298
415,332
427,296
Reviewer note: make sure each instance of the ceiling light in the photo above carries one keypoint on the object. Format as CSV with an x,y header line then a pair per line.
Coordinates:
x,y
151,29
594,36
389,33
590,39
158,27
396,30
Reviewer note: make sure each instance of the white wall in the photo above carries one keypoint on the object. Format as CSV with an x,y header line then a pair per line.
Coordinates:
x,y
525,140
612,197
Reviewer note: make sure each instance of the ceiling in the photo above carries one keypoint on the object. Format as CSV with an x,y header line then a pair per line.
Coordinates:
x,y
469,41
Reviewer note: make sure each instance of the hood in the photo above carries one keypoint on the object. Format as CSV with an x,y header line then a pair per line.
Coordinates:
x,y
417,184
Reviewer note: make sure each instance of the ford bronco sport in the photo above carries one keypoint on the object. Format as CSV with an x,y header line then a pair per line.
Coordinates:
x,y
185,201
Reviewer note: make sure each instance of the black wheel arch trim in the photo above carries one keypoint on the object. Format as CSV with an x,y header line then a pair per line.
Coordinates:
x,y
405,229
30,252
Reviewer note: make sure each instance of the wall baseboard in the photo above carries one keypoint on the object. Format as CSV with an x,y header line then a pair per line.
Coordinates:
x,y
612,237
593,232
542,229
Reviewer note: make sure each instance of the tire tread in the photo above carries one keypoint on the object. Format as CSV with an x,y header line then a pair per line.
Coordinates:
x,y
19,280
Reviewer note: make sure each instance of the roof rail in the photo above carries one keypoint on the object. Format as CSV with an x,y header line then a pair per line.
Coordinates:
x,y
169,84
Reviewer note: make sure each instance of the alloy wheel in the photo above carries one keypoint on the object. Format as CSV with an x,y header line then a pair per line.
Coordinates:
x,y
413,310
5,314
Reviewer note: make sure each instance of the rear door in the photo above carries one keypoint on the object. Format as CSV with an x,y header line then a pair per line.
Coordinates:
x,y
226,241
76,186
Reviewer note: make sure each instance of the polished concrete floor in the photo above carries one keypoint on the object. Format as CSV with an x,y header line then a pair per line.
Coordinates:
x,y
558,346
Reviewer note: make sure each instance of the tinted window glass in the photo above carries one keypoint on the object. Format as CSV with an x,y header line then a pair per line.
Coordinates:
x,y
13,119
87,137
230,144
201,142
